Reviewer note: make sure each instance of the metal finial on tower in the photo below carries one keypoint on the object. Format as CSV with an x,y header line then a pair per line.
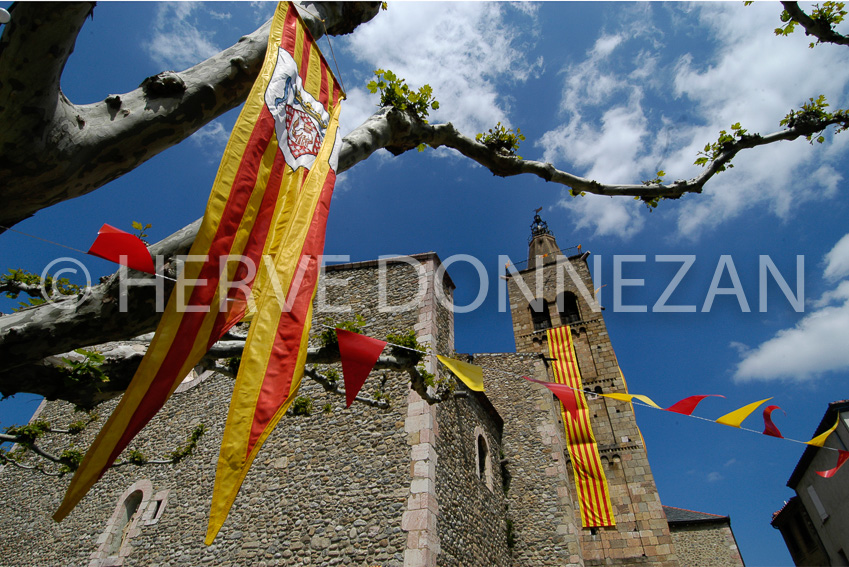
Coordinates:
x,y
539,226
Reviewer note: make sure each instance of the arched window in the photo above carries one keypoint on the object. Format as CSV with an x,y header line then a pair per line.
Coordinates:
x,y
483,455
483,458
539,314
129,508
567,305
137,506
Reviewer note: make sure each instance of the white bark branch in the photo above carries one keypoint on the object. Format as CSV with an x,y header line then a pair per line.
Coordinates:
x,y
52,150
820,29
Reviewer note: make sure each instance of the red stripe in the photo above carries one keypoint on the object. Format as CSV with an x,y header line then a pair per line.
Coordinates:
x,y
202,294
252,251
324,90
280,369
290,31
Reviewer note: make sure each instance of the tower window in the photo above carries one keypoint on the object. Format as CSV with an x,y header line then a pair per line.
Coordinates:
x,y
539,314
567,305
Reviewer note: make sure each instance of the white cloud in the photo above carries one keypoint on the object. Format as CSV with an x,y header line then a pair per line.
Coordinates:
x,y
837,260
461,49
741,72
177,41
714,477
212,137
817,343
748,81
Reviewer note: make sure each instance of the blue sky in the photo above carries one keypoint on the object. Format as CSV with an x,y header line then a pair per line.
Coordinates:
x,y
608,90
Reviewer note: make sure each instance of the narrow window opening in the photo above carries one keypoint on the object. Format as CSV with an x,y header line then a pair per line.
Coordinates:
x,y
122,529
539,314
567,305
482,457
817,503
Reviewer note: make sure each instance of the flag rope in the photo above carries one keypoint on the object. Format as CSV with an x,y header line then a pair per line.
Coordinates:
x,y
634,402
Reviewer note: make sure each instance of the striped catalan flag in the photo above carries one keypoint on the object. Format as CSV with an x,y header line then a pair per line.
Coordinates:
x,y
263,229
272,364
590,481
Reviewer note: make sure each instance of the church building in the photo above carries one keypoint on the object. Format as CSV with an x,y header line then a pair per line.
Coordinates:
x,y
511,476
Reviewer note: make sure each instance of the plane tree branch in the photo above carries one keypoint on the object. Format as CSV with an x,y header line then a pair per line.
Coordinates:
x,y
30,335
52,150
821,27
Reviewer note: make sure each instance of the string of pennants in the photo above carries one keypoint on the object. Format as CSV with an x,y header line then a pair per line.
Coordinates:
x,y
359,354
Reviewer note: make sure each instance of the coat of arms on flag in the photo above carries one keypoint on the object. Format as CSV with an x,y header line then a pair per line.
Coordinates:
x,y
300,121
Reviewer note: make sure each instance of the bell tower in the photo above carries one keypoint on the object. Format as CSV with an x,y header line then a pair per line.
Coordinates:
x,y
554,290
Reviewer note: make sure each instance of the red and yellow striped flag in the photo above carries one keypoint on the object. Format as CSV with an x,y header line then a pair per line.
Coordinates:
x,y
272,364
590,482
258,208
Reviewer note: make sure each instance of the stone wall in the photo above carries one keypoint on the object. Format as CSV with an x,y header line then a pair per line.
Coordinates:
x,y
706,545
539,503
472,523
326,489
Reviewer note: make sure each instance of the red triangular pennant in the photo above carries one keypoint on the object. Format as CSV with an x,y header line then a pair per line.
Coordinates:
x,y
564,393
112,243
688,405
358,353
769,426
841,458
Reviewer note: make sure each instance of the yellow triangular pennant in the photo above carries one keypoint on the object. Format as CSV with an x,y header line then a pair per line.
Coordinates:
x,y
736,417
819,440
471,375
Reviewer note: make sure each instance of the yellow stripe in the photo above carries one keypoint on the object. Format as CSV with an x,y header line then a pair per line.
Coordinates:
x,y
313,74
299,46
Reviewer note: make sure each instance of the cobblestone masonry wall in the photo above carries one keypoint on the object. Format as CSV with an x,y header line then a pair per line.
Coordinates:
x,y
472,523
326,489
539,504
706,545
365,486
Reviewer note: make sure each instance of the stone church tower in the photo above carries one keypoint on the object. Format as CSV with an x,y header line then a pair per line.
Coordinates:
x,y
478,480
555,290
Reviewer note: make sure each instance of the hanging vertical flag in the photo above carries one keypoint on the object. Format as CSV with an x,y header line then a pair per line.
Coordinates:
x,y
256,211
301,99
590,481
121,247
358,354
469,374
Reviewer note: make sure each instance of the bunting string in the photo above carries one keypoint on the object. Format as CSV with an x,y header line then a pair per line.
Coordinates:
x,y
684,407
121,247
